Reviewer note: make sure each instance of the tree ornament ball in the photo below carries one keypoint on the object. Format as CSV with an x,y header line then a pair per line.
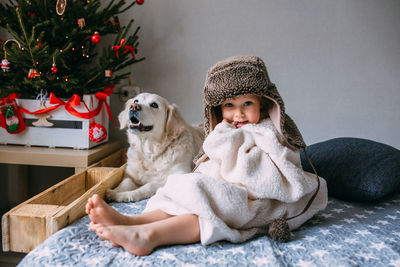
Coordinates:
x,y
140,2
96,38
54,69
97,132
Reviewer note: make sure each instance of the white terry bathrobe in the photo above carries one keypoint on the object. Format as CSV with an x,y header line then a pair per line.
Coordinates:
x,y
249,180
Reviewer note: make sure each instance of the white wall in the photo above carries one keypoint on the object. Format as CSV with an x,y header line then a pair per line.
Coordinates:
x,y
335,63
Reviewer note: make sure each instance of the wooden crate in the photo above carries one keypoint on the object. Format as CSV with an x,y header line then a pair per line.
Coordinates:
x,y
33,221
68,131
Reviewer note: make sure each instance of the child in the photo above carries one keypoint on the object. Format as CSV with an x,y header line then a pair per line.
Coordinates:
x,y
248,177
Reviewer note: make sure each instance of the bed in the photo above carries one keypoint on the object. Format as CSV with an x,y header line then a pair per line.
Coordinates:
x,y
344,234
359,227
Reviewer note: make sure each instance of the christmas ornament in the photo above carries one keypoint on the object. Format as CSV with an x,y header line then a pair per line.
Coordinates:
x,y
128,48
97,132
10,115
108,73
54,69
118,47
81,23
5,65
96,38
42,118
140,2
33,73
12,120
60,6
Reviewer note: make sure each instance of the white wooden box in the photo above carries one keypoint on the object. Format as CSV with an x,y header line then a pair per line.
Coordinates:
x,y
68,131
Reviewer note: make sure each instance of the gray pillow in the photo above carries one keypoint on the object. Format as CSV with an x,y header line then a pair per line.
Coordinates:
x,y
355,169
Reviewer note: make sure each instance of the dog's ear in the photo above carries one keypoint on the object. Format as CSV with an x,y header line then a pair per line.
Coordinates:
x,y
175,123
123,116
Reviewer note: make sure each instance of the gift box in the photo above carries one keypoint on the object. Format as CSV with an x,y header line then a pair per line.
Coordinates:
x,y
76,123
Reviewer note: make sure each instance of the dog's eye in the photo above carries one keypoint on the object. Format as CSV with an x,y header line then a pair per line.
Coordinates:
x,y
135,101
154,105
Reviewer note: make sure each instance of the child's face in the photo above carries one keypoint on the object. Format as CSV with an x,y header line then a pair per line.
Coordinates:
x,y
241,110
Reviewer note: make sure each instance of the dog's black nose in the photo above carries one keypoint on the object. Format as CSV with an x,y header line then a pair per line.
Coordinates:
x,y
135,107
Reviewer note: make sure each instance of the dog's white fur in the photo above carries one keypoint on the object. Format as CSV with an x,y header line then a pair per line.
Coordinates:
x,y
169,147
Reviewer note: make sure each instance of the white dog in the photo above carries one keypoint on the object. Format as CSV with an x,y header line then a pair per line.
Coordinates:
x,y
161,143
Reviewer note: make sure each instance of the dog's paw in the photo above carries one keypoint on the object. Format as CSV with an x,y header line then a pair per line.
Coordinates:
x,y
111,195
128,196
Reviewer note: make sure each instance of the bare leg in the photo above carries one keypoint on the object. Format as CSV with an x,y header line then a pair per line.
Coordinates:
x,y
141,240
100,213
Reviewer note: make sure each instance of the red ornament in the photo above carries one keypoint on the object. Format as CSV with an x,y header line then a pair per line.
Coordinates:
x,y
140,2
97,132
33,73
96,38
54,69
108,73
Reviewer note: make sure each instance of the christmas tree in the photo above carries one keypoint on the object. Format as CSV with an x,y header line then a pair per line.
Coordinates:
x,y
58,46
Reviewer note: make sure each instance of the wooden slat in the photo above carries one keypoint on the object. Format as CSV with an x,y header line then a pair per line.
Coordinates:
x,y
96,175
27,226
64,192
76,209
31,222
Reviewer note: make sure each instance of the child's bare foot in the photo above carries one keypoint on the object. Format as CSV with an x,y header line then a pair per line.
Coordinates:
x,y
101,213
138,240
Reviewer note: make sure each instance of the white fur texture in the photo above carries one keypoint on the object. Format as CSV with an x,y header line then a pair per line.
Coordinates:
x,y
168,148
249,180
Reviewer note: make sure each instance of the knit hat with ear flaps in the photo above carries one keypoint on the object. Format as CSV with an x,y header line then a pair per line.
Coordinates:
x,y
241,75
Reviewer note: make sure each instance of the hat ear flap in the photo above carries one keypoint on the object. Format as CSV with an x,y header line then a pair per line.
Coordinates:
x,y
175,124
215,116
123,116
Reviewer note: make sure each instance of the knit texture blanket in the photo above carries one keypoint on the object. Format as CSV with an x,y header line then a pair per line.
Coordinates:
x,y
249,180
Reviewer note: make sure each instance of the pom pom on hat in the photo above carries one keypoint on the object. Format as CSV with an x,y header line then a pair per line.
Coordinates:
x,y
279,230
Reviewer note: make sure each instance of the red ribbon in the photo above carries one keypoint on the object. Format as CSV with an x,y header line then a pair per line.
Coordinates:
x,y
131,49
117,47
128,48
75,100
11,97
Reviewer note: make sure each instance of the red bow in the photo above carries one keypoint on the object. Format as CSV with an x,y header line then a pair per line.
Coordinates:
x,y
11,97
75,100
128,48
117,47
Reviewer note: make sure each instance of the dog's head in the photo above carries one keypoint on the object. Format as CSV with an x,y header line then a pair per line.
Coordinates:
x,y
152,116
